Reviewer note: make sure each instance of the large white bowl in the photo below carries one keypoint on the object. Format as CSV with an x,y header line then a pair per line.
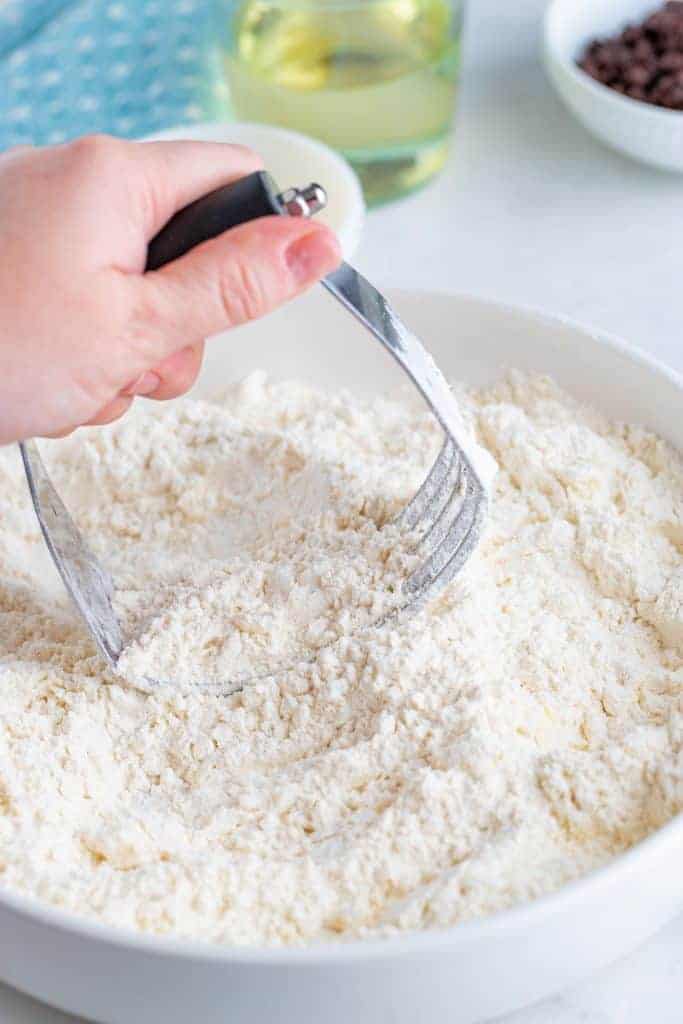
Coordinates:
x,y
648,133
461,975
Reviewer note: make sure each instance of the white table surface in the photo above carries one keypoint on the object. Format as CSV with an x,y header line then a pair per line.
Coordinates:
x,y
531,210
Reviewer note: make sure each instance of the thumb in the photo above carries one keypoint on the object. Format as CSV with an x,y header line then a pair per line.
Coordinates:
x,y
239,276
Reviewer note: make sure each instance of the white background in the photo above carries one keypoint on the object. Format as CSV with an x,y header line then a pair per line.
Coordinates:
x,y
532,211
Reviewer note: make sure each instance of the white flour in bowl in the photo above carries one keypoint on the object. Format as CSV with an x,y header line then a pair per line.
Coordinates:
x,y
523,729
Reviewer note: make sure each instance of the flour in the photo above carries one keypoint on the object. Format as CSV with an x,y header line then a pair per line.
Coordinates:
x,y
523,729
307,553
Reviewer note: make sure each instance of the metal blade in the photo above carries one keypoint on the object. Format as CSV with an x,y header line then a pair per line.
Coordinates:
x,y
370,307
88,584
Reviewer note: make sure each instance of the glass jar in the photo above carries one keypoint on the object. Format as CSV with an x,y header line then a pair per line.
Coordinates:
x,y
375,79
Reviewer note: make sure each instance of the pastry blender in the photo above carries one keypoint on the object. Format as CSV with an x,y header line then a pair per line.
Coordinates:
x,y
449,509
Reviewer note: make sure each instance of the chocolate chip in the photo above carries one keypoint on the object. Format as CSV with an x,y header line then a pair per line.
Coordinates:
x,y
591,68
674,99
637,75
644,61
670,61
643,50
630,35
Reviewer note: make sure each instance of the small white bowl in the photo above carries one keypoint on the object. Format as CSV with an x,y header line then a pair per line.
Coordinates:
x,y
295,159
653,135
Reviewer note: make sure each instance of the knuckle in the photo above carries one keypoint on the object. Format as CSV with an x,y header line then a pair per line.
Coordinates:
x,y
94,151
247,155
241,293
141,316
19,150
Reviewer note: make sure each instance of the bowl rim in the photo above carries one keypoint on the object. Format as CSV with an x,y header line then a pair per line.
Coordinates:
x,y
514,919
277,131
599,90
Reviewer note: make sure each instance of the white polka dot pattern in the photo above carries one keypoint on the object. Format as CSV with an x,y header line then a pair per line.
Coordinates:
x,y
68,67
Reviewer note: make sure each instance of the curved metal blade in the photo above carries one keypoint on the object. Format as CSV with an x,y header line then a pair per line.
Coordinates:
x,y
88,584
370,307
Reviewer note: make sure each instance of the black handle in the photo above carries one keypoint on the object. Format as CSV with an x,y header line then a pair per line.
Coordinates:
x,y
251,197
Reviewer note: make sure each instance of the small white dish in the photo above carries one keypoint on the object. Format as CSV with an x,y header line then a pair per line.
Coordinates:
x,y
460,975
295,159
653,135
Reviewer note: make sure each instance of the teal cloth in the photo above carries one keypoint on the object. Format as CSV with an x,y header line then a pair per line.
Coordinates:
x,y
68,67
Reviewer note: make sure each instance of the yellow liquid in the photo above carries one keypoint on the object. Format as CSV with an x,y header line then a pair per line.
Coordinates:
x,y
375,79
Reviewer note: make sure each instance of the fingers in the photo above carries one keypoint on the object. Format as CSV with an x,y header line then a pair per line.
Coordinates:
x,y
227,281
172,377
173,174
57,434
112,411
178,372
143,385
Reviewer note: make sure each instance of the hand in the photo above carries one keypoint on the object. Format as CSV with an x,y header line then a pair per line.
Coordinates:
x,y
82,328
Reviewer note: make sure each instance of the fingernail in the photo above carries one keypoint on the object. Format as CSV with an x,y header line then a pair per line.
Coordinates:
x,y
312,256
145,384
